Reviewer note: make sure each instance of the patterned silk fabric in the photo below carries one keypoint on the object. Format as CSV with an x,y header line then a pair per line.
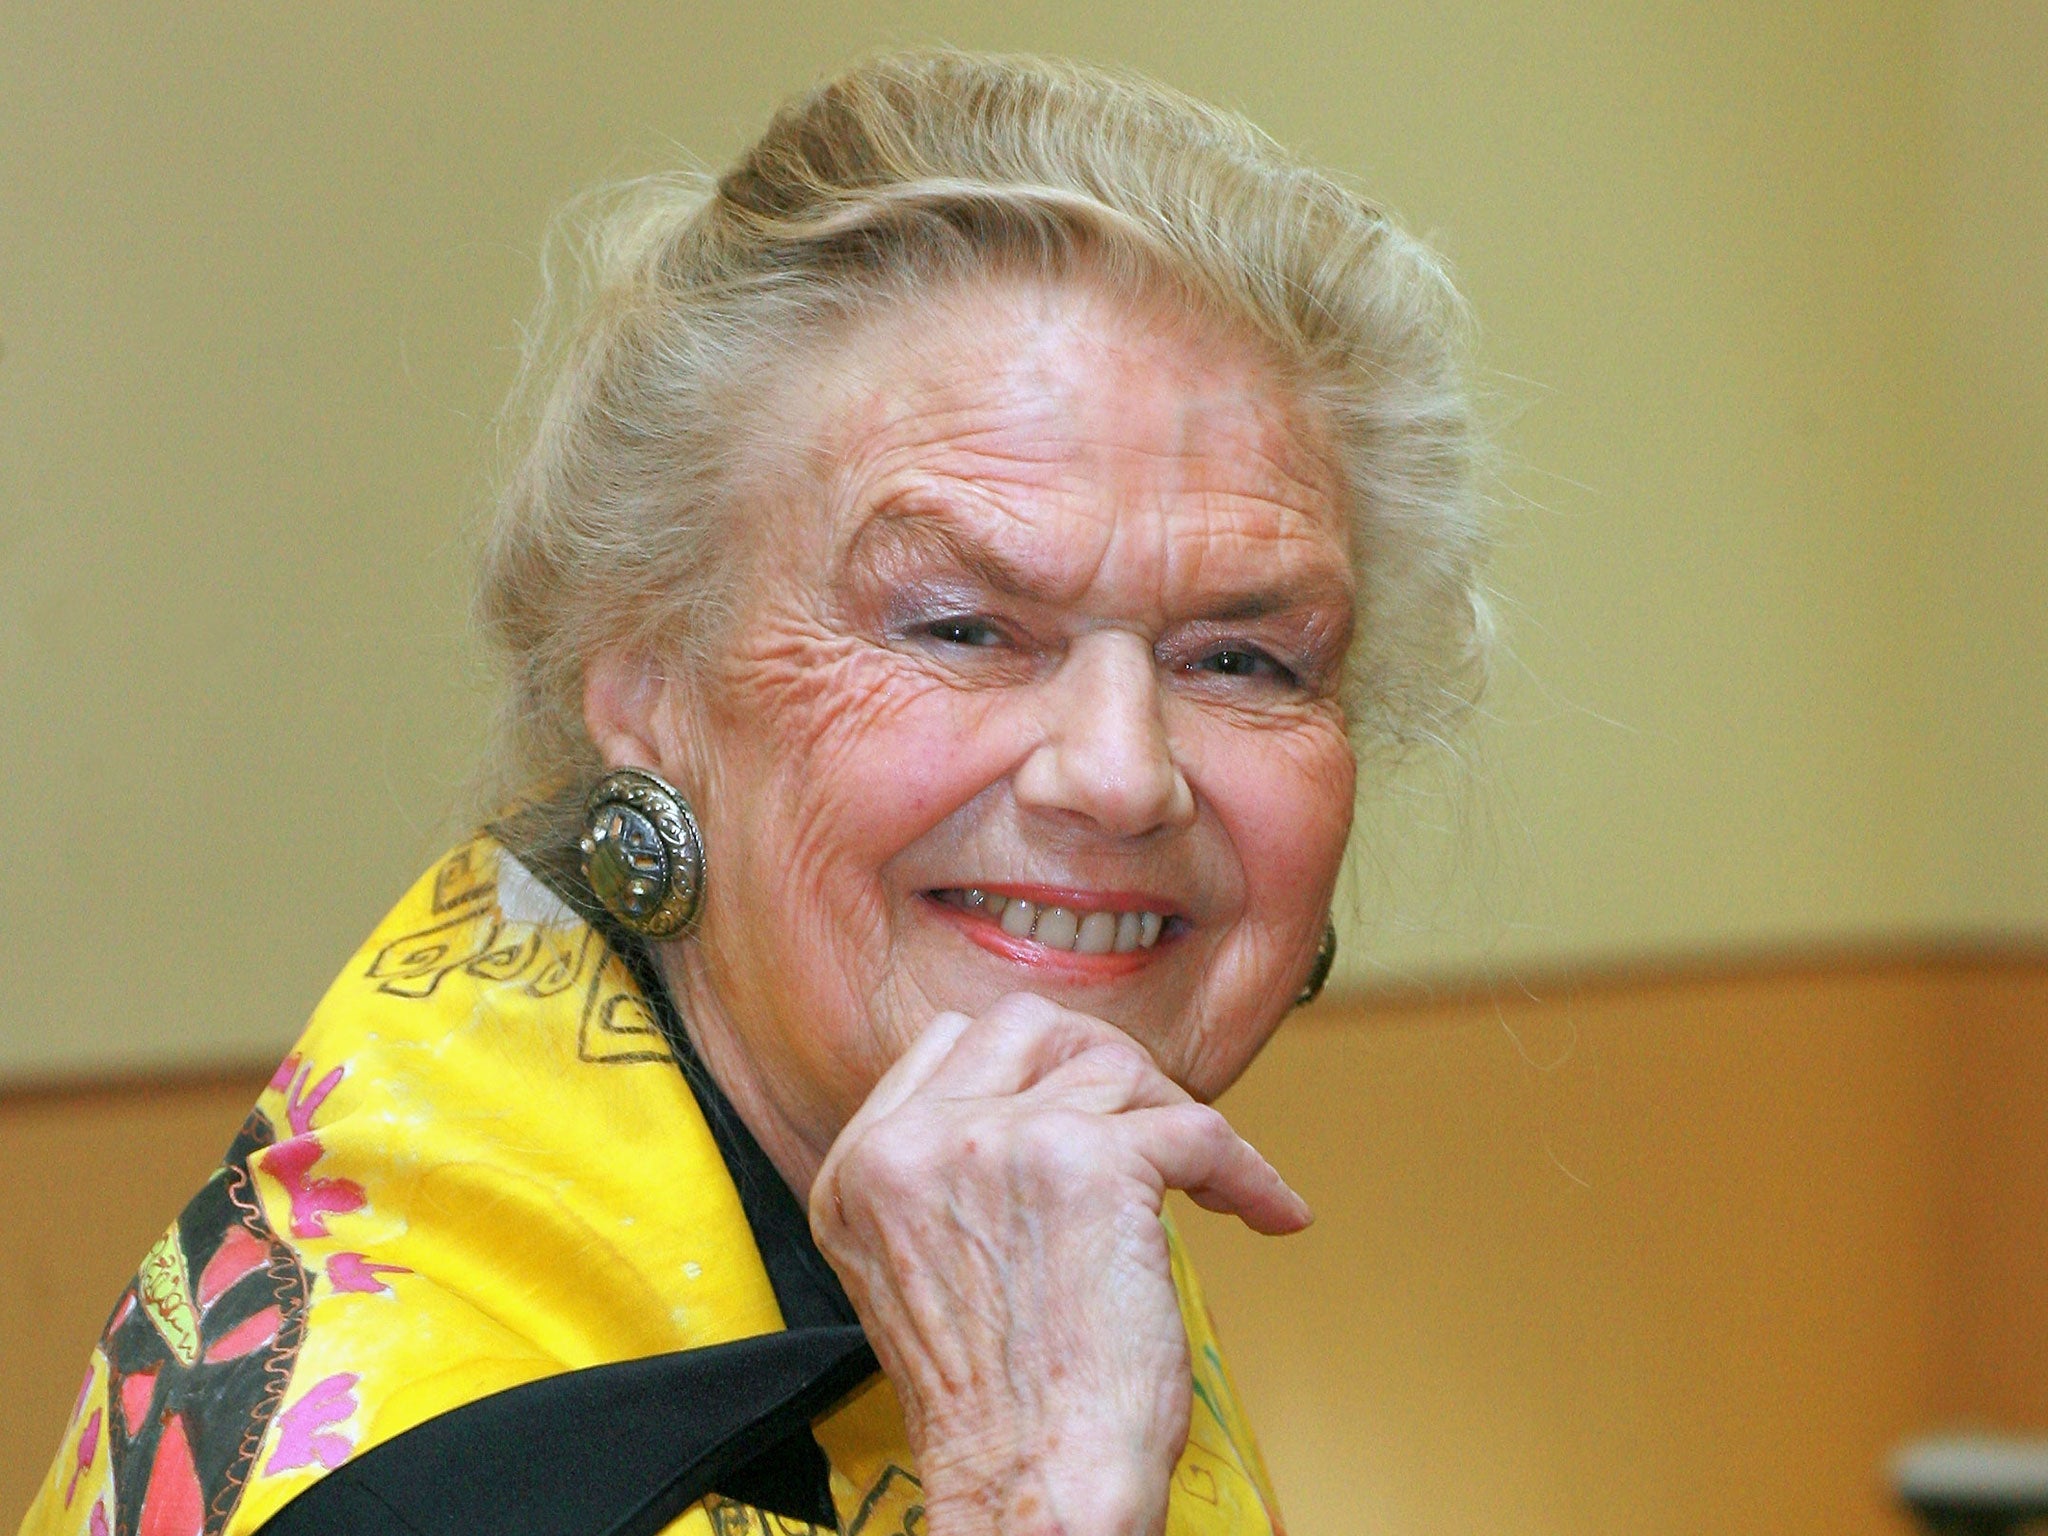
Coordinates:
x,y
479,1167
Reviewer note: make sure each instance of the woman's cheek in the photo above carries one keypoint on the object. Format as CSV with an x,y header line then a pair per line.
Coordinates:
x,y
856,752
1285,795
907,751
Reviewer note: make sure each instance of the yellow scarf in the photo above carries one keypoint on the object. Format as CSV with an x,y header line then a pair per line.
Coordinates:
x,y
479,1168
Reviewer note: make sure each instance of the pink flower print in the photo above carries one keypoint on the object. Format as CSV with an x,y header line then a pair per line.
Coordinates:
x,y
283,1075
300,1106
99,1519
313,1200
88,1447
305,1437
355,1272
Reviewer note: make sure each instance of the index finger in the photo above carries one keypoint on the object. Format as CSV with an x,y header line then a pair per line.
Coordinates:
x,y
1020,1040
1193,1148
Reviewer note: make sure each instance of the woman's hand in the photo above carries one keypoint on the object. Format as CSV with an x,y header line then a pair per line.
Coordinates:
x,y
993,1210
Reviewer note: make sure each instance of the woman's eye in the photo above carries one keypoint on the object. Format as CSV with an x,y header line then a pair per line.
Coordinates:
x,y
965,632
1242,661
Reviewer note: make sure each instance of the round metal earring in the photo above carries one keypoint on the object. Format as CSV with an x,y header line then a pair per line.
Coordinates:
x,y
1319,973
642,853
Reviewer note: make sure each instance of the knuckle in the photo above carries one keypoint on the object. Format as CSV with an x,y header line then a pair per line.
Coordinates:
x,y
1031,1018
1022,1011
1207,1126
1057,1147
886,1162
1090,1033
825,1209
1121,1053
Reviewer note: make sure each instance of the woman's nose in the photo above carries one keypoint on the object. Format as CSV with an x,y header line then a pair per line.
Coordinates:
x,y
1105,754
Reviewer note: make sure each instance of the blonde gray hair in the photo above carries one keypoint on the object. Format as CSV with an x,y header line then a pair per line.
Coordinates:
x,y
904,174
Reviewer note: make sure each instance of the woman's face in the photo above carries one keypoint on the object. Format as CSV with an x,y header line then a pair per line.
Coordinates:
x,y
1034,687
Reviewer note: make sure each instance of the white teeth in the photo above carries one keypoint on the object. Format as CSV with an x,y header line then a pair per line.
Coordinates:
x,y
1057,928
1087,933
1098,934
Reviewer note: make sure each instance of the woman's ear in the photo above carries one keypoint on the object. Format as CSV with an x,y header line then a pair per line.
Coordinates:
x,y
624,700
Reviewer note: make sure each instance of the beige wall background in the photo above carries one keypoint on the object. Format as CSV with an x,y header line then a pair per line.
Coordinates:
x,y
1765,307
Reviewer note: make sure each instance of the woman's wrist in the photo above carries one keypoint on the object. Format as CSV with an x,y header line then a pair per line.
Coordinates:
x,y
1062,1471
1077,1493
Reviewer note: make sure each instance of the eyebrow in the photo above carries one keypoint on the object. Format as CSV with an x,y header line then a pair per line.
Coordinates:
x,y
913,533
905,533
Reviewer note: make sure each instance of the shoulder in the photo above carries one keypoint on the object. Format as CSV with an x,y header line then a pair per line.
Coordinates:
x,y
484,1096
478,1167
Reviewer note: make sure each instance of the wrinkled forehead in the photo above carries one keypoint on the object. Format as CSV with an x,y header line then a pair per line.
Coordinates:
x,y
1065,442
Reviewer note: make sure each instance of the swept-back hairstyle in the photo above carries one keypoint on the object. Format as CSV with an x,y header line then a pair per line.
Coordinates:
x,y
905,174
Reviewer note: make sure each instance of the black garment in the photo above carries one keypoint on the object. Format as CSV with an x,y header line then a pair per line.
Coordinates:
x,y
621,1450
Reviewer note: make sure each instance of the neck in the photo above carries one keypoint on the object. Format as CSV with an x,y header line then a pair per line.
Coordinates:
x,y
719,1046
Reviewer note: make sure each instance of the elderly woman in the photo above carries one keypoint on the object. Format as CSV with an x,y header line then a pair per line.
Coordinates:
x,y
958,557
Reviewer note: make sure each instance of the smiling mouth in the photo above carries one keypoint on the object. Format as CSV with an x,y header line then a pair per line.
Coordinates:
x,y
1076,929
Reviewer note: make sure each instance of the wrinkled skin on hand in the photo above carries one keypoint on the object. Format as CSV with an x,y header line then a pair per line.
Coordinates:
x,y
994,1211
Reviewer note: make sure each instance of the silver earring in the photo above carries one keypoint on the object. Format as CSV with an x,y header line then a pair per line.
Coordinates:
x,y
1319,973
642,854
